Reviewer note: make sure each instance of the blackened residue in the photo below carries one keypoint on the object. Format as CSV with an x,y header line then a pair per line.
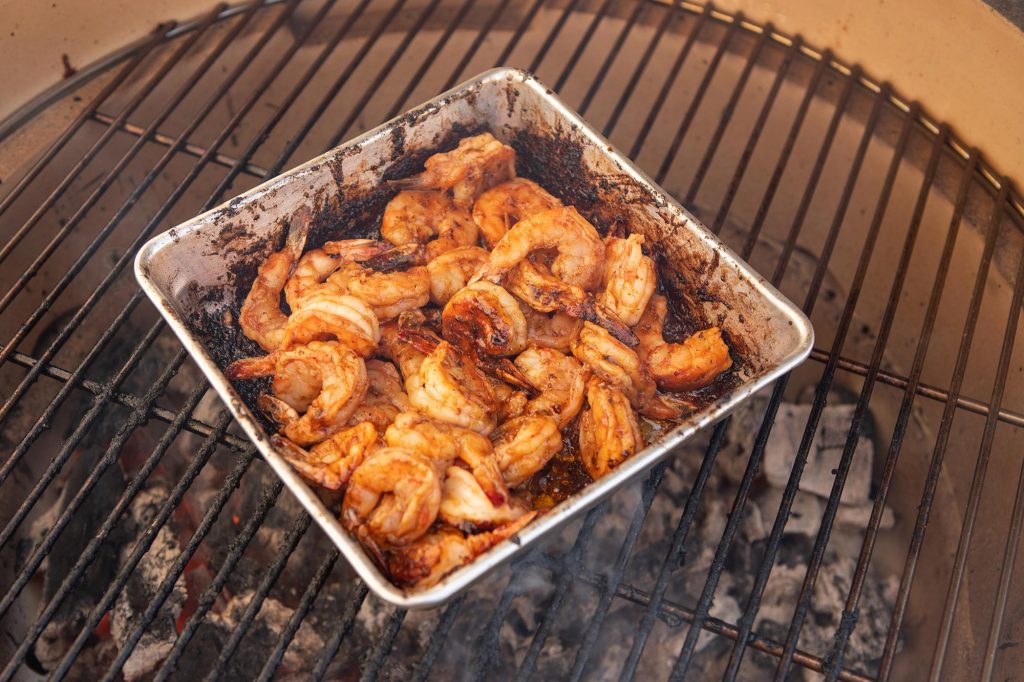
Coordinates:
x,y
563,477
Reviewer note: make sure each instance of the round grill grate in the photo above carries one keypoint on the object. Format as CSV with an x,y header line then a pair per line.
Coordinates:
x,y
143,538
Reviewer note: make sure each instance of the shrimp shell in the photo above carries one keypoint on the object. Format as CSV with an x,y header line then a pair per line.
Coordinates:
x,y
630,278
393,497
449,388
316,265
504,205
330,463
464,504
385,398
477,163
452,270
388,293
609,433
524,445
485,316
614,362
551,330
325,316
261,318
685,366
561,380
429,218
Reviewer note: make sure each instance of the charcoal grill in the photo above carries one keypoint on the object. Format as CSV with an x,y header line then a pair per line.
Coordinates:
x,y
143,537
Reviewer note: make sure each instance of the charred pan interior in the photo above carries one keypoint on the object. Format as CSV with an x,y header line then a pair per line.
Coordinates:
x,y
860,517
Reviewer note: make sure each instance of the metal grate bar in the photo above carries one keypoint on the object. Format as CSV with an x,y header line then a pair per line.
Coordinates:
x,y
755,134
928,495
383,646
43,420
666,86
851,612
372,88
115,172
348,619
672,612
615,577
213,511
471,51
69,445
726,115
555,30
157,37
148,536
239,165
980,471
569,568
581,46
616,47
438,638
860,411
303,608
698,98
192,425
288,545
739,504
189,148
40,553
676,553
210,594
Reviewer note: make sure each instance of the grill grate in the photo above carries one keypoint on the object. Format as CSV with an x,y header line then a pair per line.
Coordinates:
x,y
857,203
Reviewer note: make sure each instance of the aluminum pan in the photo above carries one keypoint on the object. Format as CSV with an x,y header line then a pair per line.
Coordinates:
x,y
202,268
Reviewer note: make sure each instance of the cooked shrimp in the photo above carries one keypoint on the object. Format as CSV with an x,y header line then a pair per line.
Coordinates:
x,y
331,462
479,162
561,380
388,293
545,293
385,397
261,318
316,265
332,374
325,316
614,362
452,270
609,433
630,278
429,218
485,316
504,205
432,557
465,505
445,443
685,366
393,498
522,446
401,352
551,330
449,387
580,258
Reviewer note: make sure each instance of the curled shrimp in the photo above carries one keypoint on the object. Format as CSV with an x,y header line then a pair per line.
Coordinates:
x,y
685,366
614,362
477,163
261,318
404,354
485,316
504,205
555,330
388,293
452,270
580,251
464,504
429,218
609,433
331,462
329,375
546,294
385,397
522,446
317,264
325,316
393,498
450,388
426,561
630,278
445,443
561,380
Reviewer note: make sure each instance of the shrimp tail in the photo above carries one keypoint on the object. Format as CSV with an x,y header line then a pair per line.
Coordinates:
x,y
398,258
592,311
276,409
423,181
250,368
298,230
481,542
505,369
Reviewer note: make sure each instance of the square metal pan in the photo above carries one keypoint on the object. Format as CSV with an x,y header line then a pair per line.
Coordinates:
x,y
199,272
